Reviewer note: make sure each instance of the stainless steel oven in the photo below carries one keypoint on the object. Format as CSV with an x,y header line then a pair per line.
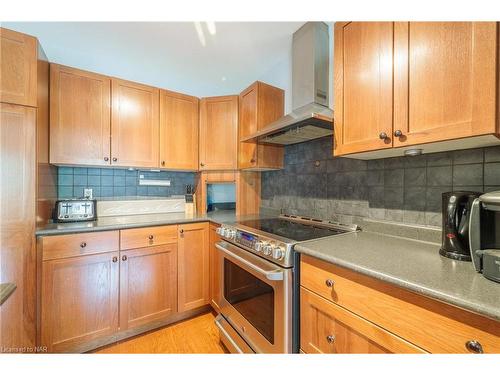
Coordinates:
x,y
256,299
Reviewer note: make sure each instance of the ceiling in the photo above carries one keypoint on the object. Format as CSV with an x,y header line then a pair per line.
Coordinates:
x,y
171,54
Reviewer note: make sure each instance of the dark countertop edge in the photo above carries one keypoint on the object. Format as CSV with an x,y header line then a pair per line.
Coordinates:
x,y
55,232
424,291
6,290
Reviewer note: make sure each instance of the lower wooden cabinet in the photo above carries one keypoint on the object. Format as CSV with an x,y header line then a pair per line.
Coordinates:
x,y
193,266
79,300
329,328
215,268
148,285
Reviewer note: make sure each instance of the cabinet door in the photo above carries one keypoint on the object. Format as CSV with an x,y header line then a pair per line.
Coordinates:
x,y
79,301
178,131
135,124
17,224
259,105
193,266
215,269
363,86
328,328
18,67
445,80
80,117
219,133
148,285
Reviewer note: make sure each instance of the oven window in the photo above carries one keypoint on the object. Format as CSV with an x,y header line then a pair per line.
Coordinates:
x,y
253,298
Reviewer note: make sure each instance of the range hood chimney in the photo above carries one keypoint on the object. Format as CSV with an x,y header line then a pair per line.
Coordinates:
x,y
311,117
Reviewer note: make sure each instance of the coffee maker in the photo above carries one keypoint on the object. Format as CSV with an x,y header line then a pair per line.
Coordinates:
x,y
456,215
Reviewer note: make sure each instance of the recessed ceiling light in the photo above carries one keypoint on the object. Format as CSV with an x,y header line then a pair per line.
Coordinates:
x,y
224,78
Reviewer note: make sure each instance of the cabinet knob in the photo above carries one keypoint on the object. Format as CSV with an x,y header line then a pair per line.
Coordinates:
x,y
474,346
106,158
330,339
252,160
151,237
398,133
83,244
115,259
163,163
124,258
383,135
115,159
329,283
181,231
202,164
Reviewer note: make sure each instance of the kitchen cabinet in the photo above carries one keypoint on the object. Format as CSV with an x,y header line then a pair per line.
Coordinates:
x,y
18,68
80,117
259,105
193,266
179,115
218,141
134,124
401,84
215,268
79,300
148,285
329,328
430,325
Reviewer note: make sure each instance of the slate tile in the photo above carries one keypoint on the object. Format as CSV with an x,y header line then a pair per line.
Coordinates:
x,y
393,163
415,161
492,154
415,198
375,177
415,177
439,159
393,197
439,176
393,177
492,174
471,156
467,174
434,197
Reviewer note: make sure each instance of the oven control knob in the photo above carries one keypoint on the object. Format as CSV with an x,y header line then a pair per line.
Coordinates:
x,y
219,230
258,246
268,249
231,234
278,253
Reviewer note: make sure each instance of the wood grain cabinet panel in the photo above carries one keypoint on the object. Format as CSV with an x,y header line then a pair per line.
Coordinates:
x,y
135,124
193,266
79,301
148,285
259,105
363,86
329,328
218,140
179,123
80,117
18,68
445,80
149,236
215,268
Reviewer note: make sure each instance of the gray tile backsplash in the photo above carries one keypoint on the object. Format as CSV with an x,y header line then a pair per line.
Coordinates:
x,y
402,189
107,182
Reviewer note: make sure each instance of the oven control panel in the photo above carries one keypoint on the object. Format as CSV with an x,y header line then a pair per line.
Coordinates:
x,y
276,251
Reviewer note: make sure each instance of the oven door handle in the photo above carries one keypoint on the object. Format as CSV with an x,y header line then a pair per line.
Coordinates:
x,y
274,275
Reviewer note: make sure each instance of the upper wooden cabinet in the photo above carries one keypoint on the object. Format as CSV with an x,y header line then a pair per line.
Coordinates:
x,y
259,105
18,68
414,83
80,117
444,80
178,131
363,86
219,133
134,124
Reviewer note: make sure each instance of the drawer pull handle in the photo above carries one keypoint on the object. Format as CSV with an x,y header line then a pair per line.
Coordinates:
x,y
115,259
83,244
330,339
124,258
329,283
151,237
474,346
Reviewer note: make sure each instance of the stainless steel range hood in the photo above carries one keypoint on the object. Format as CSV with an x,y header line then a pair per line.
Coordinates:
x,y
311,117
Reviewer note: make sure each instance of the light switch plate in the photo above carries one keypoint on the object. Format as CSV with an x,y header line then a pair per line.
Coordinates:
x,y
87,193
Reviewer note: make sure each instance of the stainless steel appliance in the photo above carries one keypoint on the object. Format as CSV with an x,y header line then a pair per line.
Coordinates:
x,y
484,235
311,116
259,287
70,210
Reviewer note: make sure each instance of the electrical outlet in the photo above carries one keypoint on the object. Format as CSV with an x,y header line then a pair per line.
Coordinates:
x,y
87,193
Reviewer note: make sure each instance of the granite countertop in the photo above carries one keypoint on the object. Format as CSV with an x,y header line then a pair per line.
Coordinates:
x,y
6,289
133,221
411,264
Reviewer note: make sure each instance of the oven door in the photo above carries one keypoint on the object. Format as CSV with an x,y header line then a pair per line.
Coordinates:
x,y
256,299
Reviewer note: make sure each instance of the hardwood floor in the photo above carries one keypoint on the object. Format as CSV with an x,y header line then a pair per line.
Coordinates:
x,y
197,335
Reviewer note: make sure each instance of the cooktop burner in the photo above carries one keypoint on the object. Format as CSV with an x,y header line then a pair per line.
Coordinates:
x,y
294,230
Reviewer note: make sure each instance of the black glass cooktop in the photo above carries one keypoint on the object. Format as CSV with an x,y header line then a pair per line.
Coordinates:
x,y
291,229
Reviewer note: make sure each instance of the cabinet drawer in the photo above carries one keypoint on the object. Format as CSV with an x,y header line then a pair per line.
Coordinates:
x,y
144,237
71,245
434,326
325,327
